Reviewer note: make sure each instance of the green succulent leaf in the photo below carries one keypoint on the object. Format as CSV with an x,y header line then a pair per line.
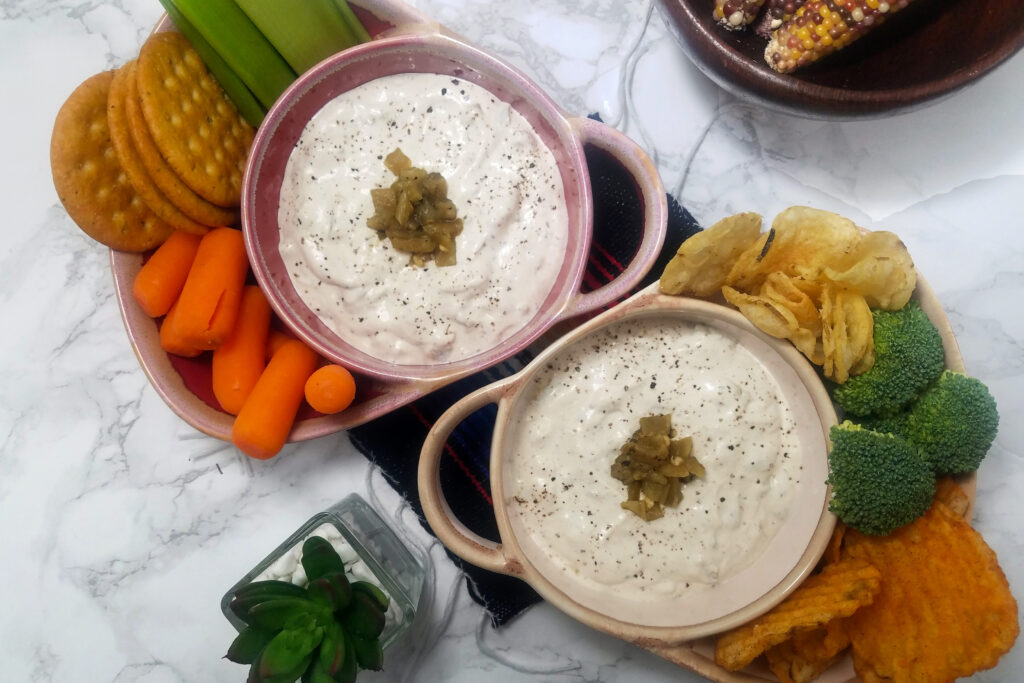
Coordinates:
x,y
331,590
379,596
287,655
369,653
363,618
273,615
320,558
248,644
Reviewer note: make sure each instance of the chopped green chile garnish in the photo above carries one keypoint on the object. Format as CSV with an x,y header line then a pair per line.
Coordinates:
x,y
654,465
416,214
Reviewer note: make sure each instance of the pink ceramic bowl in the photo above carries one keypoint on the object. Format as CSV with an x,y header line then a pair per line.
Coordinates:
x,y
415,49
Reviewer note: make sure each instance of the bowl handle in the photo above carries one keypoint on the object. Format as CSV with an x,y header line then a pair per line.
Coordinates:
x,y
454,534
655,204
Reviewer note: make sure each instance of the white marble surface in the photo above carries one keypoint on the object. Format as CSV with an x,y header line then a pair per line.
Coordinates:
x,y
122,526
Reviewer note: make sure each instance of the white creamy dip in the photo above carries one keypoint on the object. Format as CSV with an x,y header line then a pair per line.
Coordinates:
x,y
505,185
579,410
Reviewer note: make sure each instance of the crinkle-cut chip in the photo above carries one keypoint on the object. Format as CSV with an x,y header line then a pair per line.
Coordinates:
x,y
803,242
89,180
847,334
945,609
197,129
807,654
880,268
949,493
702,262
839,590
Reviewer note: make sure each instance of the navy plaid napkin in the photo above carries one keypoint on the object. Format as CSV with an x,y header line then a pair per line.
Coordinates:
x,y
393,441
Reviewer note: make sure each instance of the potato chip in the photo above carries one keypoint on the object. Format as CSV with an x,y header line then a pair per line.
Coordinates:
x,y
783,289
768,316
839,590
803,242
847,334
807,654
944,610
879,268
702,262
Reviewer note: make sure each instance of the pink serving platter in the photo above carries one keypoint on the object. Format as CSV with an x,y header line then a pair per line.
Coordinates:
x,y
185,383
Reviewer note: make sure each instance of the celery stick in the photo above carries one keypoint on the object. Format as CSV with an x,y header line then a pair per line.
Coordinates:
x,y
249,54
303,32
246,103
354,25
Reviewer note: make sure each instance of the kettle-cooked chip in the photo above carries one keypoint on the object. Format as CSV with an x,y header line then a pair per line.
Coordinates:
x,y
702,262
804,242
880,268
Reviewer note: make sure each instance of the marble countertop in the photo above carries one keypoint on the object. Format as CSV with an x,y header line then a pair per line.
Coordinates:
x,y
122,526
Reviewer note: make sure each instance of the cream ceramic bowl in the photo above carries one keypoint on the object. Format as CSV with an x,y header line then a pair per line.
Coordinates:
x,y
427,50
780,565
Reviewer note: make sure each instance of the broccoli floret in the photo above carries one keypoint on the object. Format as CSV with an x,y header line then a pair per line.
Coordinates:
x,y
908,357
895,423
879,482
953,423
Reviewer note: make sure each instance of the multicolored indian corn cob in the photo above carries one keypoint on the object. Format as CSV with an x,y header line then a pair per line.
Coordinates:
x,y
820,27
776,13
737,14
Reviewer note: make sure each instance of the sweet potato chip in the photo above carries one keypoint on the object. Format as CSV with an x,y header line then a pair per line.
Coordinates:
x,y
948,492
945,609
837,591
702,262
807,654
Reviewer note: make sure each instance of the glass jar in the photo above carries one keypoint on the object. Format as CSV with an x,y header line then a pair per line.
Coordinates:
x,y
379,557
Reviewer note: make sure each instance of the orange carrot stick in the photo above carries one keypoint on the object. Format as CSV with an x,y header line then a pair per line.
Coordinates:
x,y
275,340
330,389
263,424
159,282
171,341
239,361
208,305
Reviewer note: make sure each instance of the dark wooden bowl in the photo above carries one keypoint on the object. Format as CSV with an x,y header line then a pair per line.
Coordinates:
x,y
927,51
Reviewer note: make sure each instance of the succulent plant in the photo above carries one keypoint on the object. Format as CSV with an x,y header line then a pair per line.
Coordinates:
x,y
322,633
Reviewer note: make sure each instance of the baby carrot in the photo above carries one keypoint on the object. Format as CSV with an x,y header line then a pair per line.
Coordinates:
x,y
170,339
208,305
239,361
275,340
330,389
266,418
161,278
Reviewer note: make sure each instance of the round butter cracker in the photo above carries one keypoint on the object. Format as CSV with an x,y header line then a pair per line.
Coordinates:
x,y
190,204
131,162
90,181
197,129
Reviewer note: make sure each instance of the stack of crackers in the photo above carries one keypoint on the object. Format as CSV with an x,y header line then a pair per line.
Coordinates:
x,y
149,148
